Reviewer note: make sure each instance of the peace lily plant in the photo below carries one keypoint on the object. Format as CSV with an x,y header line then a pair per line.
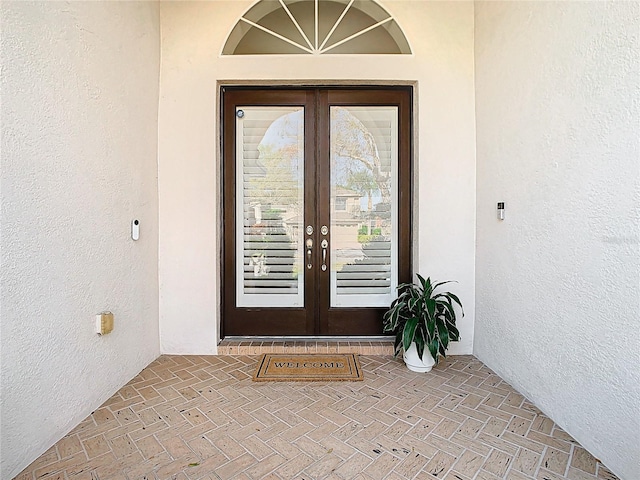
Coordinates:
x,y
422,319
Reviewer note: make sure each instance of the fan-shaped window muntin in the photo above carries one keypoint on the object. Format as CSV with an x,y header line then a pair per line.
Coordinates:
x,y
315,27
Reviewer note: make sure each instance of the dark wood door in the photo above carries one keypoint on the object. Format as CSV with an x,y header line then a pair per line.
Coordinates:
x,y
317,208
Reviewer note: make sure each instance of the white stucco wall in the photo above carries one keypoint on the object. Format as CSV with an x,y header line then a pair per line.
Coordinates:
x,y
79,162
558,281
193,33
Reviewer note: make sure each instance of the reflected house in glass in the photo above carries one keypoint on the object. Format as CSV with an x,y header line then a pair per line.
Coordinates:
x,y
346,216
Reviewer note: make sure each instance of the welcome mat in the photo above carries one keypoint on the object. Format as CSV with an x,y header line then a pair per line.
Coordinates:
x,y
311,367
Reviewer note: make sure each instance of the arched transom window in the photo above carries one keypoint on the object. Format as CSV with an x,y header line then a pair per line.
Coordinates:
x,y
316,27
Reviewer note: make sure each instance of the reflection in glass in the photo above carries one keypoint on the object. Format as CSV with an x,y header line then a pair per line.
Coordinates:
x,y
269,206
364,150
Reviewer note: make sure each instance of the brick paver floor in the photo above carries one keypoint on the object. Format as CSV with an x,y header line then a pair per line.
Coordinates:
x,y
201,417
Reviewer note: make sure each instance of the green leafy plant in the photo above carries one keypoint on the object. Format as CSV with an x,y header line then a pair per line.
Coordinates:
x,y
423,316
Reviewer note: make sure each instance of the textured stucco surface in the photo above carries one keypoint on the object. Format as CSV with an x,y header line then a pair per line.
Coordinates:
x,y
558,281
79,162
193,33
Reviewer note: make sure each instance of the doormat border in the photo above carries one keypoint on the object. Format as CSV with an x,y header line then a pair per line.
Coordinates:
x,y
352,366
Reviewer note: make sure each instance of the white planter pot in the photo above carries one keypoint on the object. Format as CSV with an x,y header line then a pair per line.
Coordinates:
x,y
413,362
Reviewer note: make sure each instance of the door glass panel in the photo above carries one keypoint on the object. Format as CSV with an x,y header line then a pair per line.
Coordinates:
x,y
364,206
269,206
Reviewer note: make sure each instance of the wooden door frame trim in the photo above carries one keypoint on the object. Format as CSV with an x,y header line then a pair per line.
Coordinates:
x,y
284,84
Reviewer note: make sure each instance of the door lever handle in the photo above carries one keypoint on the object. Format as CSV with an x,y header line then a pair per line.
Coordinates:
x,y
324,246
309,252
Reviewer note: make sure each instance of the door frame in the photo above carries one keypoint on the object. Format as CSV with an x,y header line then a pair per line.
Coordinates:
x,y
411,255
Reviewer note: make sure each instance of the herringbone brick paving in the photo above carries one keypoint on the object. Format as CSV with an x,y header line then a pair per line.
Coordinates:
x,y
201,417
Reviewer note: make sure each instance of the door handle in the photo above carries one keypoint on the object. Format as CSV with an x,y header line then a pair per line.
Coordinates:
x,y
309,252
324,246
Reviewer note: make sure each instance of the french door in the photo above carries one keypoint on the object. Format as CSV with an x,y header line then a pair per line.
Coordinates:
x,y
317,209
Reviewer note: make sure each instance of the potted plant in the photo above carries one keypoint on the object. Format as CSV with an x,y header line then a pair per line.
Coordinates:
x,y
423,321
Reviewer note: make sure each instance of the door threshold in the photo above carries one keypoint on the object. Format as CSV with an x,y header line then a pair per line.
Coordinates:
x,y
379,345
317,338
